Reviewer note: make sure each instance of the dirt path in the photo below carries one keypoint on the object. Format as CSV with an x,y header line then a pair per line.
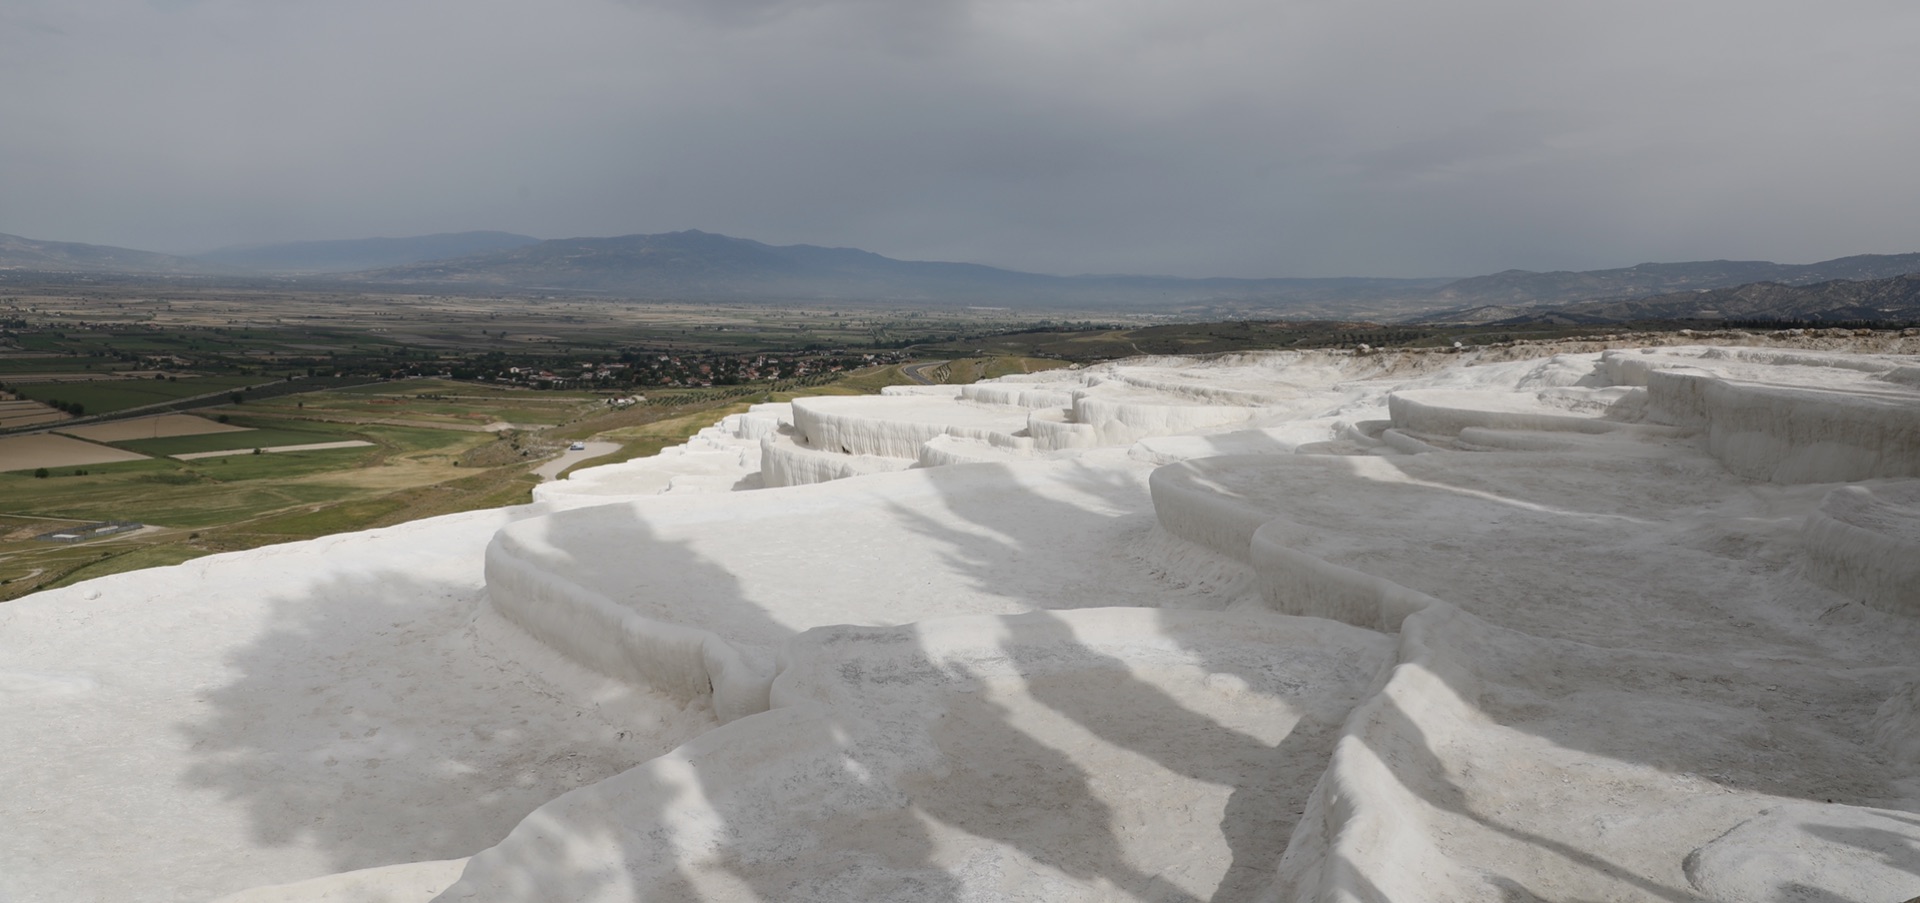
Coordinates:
x,y
311,446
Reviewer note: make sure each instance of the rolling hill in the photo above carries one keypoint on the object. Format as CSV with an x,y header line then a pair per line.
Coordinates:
x,y
695,265
1649,279
17,253
347,255
1894,300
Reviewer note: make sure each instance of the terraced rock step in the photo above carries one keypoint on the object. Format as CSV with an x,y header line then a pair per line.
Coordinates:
x,y
1074,755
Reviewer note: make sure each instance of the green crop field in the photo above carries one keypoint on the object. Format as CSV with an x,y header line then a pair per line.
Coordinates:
x,y
255,438
108,395
17,368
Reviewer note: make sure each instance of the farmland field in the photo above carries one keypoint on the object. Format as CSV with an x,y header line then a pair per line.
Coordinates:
x,y
276,449
219,504
28,365
107,395
250,438
22,412
49,450
155,427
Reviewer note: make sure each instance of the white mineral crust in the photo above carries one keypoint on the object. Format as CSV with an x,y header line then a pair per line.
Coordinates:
x,y
1636,623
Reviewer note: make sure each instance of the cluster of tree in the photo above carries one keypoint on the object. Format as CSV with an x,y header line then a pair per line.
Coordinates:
x,y
1778,324
658,368
1380,338
639,368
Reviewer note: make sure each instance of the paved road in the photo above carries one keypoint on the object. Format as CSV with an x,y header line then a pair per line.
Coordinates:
x,y
552,468
912,371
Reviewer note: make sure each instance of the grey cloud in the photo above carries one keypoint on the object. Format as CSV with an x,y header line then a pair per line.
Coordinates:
x,y
918,23
1498,140
14,24
1238,137
735,13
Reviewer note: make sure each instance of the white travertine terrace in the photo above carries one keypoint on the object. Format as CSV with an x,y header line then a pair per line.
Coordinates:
x,y
1627,624
1865,542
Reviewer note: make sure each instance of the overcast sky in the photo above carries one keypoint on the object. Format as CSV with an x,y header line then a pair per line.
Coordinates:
x,y
1188,137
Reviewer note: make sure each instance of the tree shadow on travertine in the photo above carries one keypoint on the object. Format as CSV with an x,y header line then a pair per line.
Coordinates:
x,y
1027,796
371,722
1028,550
1678,695
1408,745
361,723
1270,783
694,827
365,723
1894,850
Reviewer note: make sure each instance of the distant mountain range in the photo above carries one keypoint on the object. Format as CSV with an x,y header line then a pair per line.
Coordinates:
x,y
349,255
1647,279
703,266
696,265
1895,299
18,253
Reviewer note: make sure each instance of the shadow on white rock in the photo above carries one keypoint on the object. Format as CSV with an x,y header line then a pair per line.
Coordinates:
x,y
1082,755
1808,853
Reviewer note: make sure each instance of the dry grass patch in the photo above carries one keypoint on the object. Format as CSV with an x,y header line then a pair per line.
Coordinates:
x,y
17,411
28,415
160,427
48,450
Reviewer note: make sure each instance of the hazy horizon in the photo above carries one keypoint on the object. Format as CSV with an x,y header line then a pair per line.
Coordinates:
x,y
1424,276
1220,138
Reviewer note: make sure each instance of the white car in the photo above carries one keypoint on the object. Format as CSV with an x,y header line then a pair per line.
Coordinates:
x,y
577,446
